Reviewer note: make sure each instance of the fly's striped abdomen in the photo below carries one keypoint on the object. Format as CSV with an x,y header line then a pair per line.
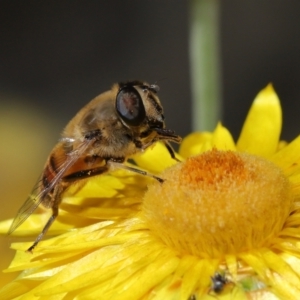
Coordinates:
x,y
49,173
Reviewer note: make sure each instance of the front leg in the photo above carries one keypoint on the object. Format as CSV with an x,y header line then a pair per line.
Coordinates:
x,y
113,164
110,165
171,151
142,146
86,173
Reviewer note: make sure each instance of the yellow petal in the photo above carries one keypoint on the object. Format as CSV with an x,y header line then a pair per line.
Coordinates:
x,y
274,272
222,139
15,289
288,157
293,261
261,130
276,263
193,143
232,265
189,281
155,159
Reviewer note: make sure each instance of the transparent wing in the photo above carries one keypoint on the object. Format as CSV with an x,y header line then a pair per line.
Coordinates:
x,y
37,196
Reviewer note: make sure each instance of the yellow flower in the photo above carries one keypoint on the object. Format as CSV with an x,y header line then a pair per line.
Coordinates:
x,y
224,224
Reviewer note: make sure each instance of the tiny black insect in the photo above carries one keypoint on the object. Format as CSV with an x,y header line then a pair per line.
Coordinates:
x,y
218,282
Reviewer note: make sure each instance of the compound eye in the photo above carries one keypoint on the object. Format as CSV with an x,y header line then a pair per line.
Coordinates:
x,y
130,107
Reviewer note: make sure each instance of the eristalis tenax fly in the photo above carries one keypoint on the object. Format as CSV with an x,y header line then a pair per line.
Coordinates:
x,y
115,125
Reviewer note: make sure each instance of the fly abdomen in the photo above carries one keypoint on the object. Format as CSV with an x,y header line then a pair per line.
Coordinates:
x,y
50,171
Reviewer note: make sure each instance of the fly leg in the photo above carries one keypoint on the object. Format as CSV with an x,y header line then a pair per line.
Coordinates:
x,y
45,229
171,151
85,173
111,164
117,165
78,176
56,199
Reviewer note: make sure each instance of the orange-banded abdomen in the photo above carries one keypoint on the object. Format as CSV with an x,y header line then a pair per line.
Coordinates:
x,y
64,167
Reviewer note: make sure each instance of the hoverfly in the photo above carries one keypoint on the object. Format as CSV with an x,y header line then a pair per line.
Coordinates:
x,y
115,125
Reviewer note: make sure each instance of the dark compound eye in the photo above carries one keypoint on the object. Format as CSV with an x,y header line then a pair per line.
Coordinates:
x,y
130,107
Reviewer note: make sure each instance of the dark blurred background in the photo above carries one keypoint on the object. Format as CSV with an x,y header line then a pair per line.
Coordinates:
x,y
57,55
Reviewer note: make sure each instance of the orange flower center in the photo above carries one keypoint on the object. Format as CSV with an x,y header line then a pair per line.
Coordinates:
x,y
217,203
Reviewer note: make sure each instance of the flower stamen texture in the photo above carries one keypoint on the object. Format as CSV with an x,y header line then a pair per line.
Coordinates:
x,y
218,203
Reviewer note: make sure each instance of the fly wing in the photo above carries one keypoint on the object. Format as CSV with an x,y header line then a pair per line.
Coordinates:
x,y
29,206
39,193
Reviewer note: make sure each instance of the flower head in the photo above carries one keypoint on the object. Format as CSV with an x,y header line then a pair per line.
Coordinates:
x,y
225,221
